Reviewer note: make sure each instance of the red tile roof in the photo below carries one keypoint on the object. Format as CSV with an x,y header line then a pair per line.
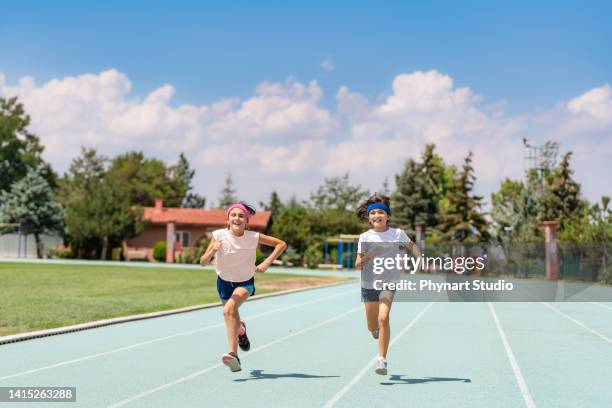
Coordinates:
x,y
199,217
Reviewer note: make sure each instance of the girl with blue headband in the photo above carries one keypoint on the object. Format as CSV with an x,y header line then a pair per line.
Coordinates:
x,y
377,211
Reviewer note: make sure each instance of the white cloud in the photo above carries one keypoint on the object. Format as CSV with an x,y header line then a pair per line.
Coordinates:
x,y
282,137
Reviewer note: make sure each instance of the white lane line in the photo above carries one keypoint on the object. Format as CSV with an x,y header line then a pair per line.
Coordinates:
x,y
584,326
520,380
263,347
602,305
156,340
332,401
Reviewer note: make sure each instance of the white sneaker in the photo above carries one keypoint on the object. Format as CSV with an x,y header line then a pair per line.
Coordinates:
x,y
232,361
381,366
375,334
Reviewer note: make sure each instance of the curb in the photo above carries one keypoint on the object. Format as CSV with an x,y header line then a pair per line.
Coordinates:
x,y
14,338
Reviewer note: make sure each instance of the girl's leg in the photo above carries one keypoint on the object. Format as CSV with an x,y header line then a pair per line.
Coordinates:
x,y
232,317
386,299
371,309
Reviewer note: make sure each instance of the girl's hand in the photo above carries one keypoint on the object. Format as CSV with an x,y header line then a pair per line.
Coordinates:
x,y
262,267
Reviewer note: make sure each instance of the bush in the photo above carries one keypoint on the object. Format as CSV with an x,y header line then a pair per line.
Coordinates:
x,y
61,252
159,251
313,255
116,254
259,257
606,275
291,257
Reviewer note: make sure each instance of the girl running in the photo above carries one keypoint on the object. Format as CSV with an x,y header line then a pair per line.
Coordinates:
x,y
235,248
376,210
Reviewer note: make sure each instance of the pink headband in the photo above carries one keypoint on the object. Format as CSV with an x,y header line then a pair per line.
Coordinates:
x,y
241,207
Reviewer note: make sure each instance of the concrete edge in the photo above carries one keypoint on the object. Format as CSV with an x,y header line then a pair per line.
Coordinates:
x,y
14,338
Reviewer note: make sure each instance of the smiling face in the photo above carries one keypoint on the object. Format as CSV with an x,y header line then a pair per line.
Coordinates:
x,y
378,219
236,221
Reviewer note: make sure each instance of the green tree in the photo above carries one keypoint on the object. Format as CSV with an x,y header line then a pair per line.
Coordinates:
x,y
183,175
462,220
338,194
99,207
292,226
561,199
228,193
420,190
506,209
20,149
29,203
147,179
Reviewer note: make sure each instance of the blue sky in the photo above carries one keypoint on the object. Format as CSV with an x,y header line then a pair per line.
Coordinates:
x,y
525,65
530,54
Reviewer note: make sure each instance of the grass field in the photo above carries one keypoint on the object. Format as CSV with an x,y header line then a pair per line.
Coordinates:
x,y
43,296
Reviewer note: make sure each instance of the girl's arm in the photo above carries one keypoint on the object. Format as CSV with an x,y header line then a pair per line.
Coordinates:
x,y
413,248
363,259
279,247
210,252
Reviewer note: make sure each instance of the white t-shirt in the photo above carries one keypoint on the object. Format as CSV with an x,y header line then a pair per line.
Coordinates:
x,y
390,235
236,257
383,251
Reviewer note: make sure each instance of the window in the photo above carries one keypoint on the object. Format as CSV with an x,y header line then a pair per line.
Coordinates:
x,y
183,237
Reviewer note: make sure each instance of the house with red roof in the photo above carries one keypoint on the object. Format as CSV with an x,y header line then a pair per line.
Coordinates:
x,y
181,228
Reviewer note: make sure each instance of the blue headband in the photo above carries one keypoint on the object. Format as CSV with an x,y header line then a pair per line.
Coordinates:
x,y
379,206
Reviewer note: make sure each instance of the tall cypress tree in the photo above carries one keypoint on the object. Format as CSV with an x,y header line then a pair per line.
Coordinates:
x,y
561,199
462,220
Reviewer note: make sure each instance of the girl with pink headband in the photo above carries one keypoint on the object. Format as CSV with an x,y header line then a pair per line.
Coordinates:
x,y
235,249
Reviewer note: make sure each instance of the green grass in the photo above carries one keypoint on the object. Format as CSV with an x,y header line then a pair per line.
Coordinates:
x,y
44,296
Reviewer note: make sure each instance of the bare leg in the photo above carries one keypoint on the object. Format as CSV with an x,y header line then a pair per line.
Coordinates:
x,y
232,317
386,299
371,309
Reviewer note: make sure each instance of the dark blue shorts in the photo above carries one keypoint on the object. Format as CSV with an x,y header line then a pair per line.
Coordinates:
x,y
226,288
372,295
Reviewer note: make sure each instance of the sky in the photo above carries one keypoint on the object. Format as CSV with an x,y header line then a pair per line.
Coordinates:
x,y
283,95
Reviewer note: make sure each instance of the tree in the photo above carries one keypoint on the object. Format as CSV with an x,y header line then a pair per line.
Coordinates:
x,y
505,210
291,224
561,199
338,194
183,176
228,194
462,220
148,179
275,206
30,204
20,150
99,207
420,190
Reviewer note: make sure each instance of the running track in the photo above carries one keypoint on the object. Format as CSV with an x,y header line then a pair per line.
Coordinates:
x,y
312,349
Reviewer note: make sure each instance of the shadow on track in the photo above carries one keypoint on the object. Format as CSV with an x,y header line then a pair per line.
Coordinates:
x,y
397,379
259,375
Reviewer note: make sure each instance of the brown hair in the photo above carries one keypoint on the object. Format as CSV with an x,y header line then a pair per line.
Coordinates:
x,y
362,210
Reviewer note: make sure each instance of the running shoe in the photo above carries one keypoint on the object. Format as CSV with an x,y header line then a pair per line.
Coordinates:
x,y
375,334
232,361
381,366
243,340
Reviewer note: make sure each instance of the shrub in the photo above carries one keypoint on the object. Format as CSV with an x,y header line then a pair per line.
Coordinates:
x,y
116,254
313,255
606,275
61,252
291,257
159,251
259,257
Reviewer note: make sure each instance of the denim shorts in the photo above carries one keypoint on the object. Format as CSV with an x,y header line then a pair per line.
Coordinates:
x,y
226,288
372,295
